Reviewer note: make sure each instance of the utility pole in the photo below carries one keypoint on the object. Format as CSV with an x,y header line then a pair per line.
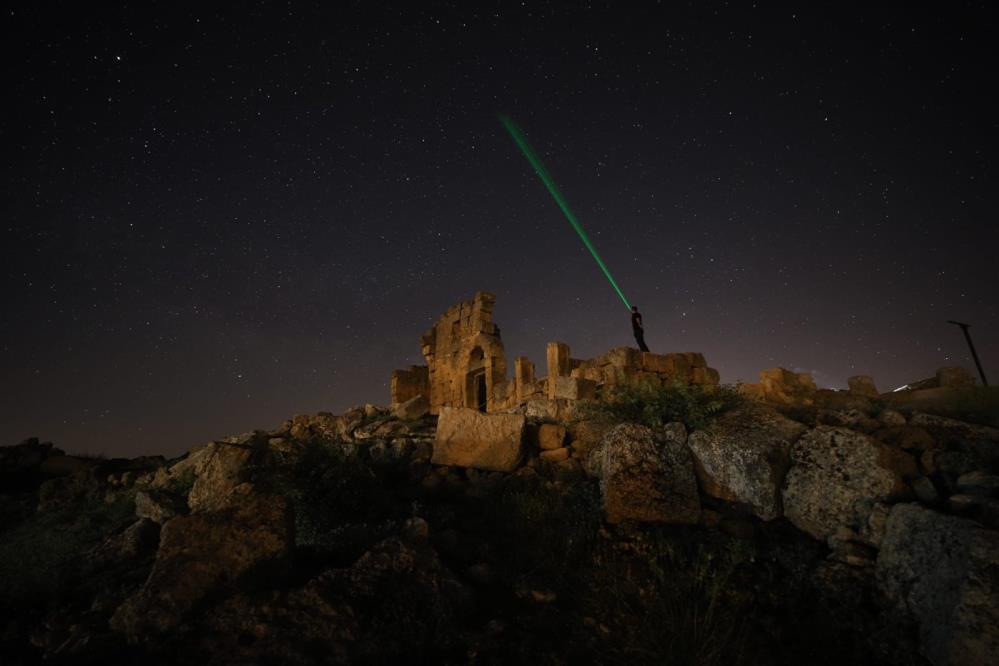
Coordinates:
x,y
971,346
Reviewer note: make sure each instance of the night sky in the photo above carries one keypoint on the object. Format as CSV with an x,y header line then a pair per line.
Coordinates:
x,y
213,220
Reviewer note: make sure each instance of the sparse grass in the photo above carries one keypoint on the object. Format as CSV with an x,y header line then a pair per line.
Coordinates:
x,y
660,597
40,557
654,406
548,524
668,601
341,504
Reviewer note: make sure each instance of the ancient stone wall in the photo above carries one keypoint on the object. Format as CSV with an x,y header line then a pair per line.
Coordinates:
x,y
466,367
625,364
407,384
464,352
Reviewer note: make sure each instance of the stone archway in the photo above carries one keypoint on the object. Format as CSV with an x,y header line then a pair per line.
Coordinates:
x,y
476,388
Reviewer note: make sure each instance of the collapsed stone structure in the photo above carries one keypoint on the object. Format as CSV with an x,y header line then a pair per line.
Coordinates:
x,y
466,367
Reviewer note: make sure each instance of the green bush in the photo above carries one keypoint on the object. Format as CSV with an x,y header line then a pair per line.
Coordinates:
x,y
341,505
653,405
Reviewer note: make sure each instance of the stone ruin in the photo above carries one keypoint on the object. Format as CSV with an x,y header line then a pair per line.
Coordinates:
x,y
784,387
466,367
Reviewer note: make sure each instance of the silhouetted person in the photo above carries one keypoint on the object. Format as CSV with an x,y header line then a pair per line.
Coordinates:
x,y
637,328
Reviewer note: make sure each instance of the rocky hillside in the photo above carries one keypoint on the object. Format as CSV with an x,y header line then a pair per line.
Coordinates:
x,y
795,535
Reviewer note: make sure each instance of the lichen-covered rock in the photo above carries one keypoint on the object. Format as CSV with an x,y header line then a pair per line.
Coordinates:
x,y
855,419
944,572
201,554
743,458
218,471
908,437
585,436
646,475
469,438
836,475
158,506
979,443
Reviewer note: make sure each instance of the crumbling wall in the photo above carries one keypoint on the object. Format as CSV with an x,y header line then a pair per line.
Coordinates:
x,y
409,383
466,367
625,364
465,357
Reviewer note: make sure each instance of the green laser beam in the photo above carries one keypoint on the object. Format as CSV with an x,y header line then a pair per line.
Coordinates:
x,y
546,178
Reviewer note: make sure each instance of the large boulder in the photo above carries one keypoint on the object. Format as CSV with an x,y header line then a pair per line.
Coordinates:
x,y
786,387
836,477
743,457
646,475
585,436
157,505
980,444
551,436
202,555
220,468
863,385
469,438
396,604
944,572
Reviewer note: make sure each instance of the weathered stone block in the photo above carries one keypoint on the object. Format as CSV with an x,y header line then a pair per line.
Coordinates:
x,y
705,376
862,385
656,362
623,357
558,363
407,384
571,388
469,438
551,436
220,469
614,374
646,475
743,457
786,387
695,359
944,572
202,554
555,455
541,408
413,408
523,377
954,377
679,366
836,476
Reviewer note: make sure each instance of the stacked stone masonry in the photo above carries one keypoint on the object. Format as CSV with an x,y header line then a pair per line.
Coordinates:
x,y
466,367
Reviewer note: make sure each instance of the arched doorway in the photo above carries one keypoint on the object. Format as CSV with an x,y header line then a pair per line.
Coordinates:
x,y
476,389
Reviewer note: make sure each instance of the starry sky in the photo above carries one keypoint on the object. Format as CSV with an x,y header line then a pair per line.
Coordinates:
x,y
216,218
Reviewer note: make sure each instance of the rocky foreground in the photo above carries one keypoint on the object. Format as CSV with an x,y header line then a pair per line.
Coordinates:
x,y
799,535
